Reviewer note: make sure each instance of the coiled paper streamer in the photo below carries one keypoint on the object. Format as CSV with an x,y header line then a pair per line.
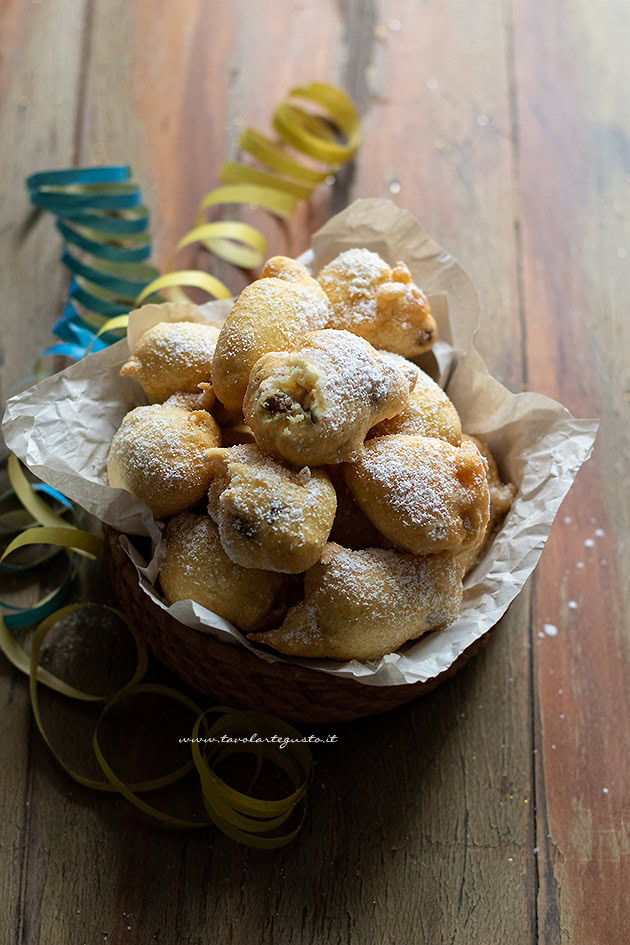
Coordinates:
x,y
99,213
277,187
242,816
105,227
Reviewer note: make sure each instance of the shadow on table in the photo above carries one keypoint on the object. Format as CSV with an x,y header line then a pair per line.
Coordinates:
x,y
387,823
387,801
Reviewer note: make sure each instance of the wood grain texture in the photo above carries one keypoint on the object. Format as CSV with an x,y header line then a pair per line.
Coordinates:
x,y
476,815
39,92
575,162
428,82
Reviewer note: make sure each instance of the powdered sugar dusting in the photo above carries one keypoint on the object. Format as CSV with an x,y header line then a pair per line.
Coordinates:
x,y
280,494
351,281
352,374
270,312
181,344
323,399
160,441
269,513
385,576
419,492
172,357
195,567
368,603
428,412
424,484
159,455
197,532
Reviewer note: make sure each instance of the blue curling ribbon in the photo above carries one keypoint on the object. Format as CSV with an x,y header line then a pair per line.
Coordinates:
x,y
24,616
27,616
105,228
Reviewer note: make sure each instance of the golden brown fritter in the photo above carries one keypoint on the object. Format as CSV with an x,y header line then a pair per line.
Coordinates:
x,y
195,567
314,406
272,314
423,494
172,357
364,604
270,515
381,304
159,455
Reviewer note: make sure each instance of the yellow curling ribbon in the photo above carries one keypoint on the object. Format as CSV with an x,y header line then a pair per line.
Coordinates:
x,y
240,815
276,187
29,499
59,531
141,667
73,538
120,321
189,277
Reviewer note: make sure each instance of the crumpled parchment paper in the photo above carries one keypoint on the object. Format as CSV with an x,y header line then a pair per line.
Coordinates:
x,y
62,428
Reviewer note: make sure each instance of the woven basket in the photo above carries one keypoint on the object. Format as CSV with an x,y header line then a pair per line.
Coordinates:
x,y
233,676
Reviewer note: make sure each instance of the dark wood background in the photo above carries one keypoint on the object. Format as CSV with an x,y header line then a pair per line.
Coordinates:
x,y
497,809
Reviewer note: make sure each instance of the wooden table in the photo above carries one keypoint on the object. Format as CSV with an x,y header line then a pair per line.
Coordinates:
x,y
497,809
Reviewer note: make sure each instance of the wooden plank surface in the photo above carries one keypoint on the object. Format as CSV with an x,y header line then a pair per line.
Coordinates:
x,y
479,813
575,162
39,90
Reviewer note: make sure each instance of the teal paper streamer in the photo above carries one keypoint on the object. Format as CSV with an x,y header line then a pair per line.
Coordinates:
x,y
105,228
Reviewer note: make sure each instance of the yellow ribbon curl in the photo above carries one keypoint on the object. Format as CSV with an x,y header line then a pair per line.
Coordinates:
x,y
276,187
240,815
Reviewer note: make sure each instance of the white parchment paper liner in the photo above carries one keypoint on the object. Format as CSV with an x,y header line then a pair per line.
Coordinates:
x,y
61,429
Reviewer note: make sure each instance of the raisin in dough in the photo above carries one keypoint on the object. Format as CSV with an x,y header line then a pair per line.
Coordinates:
x,y
159,455
195,567
423,494
364,604
272,314
270,515
381,304
172,357
314,406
